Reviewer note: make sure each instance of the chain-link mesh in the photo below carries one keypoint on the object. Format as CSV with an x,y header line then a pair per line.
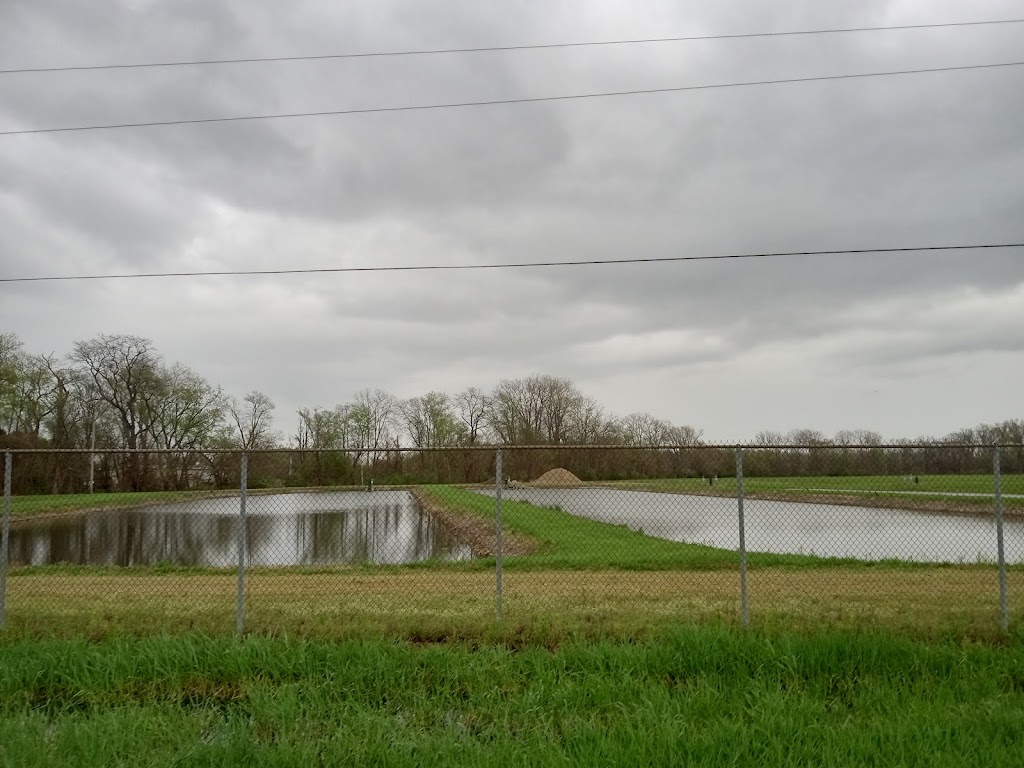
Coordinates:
x,y
152,547
609,539
887,536
340,543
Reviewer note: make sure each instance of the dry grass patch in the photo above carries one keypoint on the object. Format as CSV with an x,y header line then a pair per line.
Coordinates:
x,y
405,603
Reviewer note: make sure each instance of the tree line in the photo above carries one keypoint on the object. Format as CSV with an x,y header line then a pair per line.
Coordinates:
x,y
117,391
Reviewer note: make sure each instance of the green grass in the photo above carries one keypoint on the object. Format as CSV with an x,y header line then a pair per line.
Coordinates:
x,y
27,506
873,488
46,504
573,542
700,696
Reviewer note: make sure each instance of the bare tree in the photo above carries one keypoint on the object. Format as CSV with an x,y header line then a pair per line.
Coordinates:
x,y
252,418
559,400
808,437
372,415
430,421
1011,432
684,434
125,372
319,429
645,429
768,438
857,437
589,424
537,409
37,391
509,411
472,406
63,422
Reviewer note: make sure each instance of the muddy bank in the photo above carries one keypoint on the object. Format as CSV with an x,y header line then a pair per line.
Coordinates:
x,y
474,531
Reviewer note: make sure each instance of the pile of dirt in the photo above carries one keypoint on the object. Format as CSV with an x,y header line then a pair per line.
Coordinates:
x,y
557,478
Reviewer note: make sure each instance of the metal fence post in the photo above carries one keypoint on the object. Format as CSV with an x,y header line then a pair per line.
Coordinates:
x,y
5,539
497,531
1004,617
744,609
241,544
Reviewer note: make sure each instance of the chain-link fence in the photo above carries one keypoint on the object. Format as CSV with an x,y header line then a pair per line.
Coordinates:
x,y
444,541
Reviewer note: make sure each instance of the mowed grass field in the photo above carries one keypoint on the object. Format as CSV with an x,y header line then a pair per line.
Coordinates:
x,y
705,696
538,605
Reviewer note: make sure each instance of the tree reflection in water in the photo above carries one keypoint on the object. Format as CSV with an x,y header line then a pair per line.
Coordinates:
x,y
385,527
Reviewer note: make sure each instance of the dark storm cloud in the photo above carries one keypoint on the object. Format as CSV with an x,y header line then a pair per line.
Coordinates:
x,y
887,162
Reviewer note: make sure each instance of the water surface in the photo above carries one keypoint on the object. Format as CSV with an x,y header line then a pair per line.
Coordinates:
x,y
385,527
828,530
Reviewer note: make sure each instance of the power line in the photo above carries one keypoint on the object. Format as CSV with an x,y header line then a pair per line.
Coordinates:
x,y
495,102
490,49
512,265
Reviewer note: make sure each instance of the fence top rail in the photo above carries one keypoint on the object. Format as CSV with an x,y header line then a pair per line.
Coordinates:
x,y
490,448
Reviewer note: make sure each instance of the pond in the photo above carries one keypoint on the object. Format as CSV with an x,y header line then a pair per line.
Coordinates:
x,y
383,527
790,528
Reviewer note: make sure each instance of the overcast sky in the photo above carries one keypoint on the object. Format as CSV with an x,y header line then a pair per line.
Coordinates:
x,y
908,345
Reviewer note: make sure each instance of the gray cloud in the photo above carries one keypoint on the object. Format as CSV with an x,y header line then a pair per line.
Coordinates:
x,y
880,341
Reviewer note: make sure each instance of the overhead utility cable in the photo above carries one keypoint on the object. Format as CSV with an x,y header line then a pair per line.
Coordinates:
x,y
498,48
495,102
512,265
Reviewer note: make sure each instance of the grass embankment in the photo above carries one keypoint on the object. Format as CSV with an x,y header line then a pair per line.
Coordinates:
x,y
938,491
568,541
573,542
696,697
43,505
